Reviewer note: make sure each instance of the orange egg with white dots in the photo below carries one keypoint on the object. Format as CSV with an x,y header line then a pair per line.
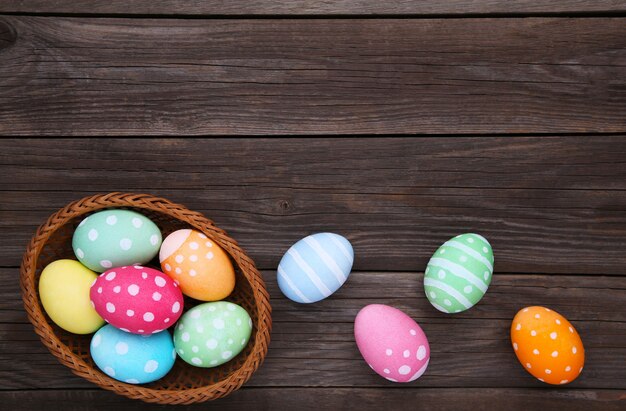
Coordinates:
x,y
547,345
202,269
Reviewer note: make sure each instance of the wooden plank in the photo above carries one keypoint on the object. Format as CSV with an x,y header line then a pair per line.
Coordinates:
x,y
548,205
337,398
319,76
313,345
303,7
579,298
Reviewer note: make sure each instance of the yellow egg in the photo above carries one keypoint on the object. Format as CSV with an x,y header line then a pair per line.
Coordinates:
x,y
64,291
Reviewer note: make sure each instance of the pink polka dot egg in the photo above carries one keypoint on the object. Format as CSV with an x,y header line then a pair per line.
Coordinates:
x,y
391,343
137,299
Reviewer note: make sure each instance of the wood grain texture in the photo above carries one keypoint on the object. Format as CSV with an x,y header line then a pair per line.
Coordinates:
x,y
304,7
336,398
435,76
7,35
313,345
548,205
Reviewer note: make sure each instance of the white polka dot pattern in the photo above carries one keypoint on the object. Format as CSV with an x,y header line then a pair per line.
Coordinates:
x,y
184,257
136,298
111,238
132,358
543,345
376,331
214,333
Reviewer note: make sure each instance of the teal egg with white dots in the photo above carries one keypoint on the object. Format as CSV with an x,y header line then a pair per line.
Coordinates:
x,y
132,358
115,238
459,273
212,334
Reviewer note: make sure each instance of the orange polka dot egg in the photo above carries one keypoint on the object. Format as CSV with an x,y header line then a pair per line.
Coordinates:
x,y
547,345
201,267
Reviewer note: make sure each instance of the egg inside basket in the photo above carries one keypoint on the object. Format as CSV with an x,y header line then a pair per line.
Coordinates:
x,y
184,384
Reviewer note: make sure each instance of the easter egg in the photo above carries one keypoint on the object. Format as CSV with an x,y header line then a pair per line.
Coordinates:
x,y
132,358
137,299
391,342
64,293
201,267
459,273
547,345
114,238
315,267
211,334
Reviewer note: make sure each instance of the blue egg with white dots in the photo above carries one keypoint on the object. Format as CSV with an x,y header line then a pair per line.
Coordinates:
x,y
315,267
132,358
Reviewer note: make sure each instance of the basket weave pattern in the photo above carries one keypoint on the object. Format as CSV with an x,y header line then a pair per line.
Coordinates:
x,y
184,384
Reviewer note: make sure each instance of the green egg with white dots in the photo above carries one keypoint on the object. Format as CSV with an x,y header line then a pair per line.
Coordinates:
x,y
212,334
115,238
459,273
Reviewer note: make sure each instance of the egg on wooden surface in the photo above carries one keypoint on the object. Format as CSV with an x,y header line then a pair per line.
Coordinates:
x,y
547,345
115,238
212,334
200,266
132,358
64,293
391,343
459,273
137,299
315,267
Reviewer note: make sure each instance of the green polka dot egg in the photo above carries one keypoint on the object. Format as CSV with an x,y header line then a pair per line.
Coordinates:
x,y
212,334
115,238
459,273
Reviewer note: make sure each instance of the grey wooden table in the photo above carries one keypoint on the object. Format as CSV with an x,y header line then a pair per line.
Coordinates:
x,y
505,118
552,207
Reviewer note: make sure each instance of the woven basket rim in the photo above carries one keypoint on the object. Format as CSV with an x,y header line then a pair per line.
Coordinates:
x,y
78,366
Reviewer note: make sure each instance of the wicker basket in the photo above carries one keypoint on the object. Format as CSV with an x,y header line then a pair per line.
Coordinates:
x,y
184,384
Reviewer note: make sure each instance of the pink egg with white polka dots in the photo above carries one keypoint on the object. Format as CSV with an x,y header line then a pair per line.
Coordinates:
x,y
391,343
137,299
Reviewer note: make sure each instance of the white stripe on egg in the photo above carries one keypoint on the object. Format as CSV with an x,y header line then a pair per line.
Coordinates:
x,y
309,272
469,251
458,271
328,260
291,285
451,291
440,308
340,245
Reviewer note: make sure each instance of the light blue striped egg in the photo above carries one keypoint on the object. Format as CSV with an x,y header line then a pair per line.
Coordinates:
x,y
315,267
